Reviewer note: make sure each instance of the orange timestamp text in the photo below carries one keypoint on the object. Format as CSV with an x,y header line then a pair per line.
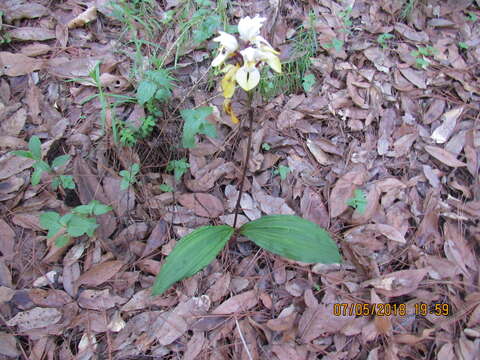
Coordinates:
x,y
366,309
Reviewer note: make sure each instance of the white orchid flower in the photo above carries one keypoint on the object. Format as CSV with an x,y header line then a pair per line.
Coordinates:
x,y
228,45
248,75
249,29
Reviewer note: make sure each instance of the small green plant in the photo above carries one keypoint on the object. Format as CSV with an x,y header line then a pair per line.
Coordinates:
x,y
334,44
421,56
471,16
148,123
358,201
347,21
179,167
195,122
81,220
282,171
156,84
289,236
308,82
127,136
266,146
129,176
463,45
40,166
407,9
382,39
166,188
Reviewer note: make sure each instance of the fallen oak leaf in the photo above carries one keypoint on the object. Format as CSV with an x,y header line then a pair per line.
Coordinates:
x,y
444,156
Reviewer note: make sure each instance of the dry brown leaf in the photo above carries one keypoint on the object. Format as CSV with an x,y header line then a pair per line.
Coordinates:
x,y
398,283
7,240
416,77
410,34
288,118
35,318
100,273
313,208
20,11
322,157
18,64
353,92
98,299
173,327
434,111
31,33
237,303
83,18
8,345
449,122
444,156
202,204
388,231
194,346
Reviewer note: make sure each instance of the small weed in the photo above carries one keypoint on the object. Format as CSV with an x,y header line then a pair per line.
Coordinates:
x,y
127,136
156,84
282,171
382,39
421,56
195,122
308,82
359,201
334,44
463,45
471,16
408,8
129,176
40,166
291,79
76,223
179,167
347,21
266,146
166,188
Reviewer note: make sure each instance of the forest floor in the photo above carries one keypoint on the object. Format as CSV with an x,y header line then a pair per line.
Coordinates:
x,y
371,131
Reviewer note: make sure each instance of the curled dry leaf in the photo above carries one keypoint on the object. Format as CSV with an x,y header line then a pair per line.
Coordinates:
x,y
388,231
100,273
202,204
35,318
321,156
237,303
83,18
98,299
398,283
18,64
444,156
32,33
449,122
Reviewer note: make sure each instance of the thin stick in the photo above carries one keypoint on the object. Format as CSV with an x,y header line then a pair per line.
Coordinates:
x,y
247,157
243,340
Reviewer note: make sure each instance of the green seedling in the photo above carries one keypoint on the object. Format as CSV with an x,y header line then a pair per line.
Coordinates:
x,y
347,21
127,137
471,16
421,56
382,39
156,84
78,222
334,44
266,146
40,166
179,167
308,82
166,188
407,10
195,122
358,201
282,171
129,176
463,45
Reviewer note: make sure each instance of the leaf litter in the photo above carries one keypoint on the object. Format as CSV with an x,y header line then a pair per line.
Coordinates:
x,y
396,120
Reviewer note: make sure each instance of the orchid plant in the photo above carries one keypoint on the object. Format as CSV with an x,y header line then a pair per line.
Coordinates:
x,y
289,236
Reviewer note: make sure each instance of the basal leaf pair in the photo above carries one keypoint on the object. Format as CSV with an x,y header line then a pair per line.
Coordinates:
x,y
289,236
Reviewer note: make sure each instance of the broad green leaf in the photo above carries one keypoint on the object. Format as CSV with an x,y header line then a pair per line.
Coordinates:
x,y
60,161
196,123
293,238
359,201
61,241
35,147
36,176
308,82
67,182
125,182
191,254
50,221
55,183
23,153
84,209
79,225
146,90
166,188
99,208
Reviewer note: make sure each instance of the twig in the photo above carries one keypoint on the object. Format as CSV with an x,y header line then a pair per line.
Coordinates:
x,y
243,340
247,157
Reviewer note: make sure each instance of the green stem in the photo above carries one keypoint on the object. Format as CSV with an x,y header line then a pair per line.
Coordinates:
x,y
247,157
